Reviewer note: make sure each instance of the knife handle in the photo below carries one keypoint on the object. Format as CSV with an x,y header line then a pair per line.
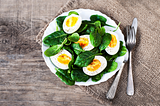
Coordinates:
x,y
112,91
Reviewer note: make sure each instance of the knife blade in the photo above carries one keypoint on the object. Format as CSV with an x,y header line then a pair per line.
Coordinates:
x,y
135,25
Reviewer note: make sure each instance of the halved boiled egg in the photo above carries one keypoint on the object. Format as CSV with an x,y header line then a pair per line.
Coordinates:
x,y
62,59
113,47
72,23
98,64
84,42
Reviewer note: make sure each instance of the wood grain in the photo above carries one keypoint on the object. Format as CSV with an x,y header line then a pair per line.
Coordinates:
x,y
25,80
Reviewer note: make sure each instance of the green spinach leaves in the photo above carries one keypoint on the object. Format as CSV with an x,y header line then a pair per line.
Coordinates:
x,y
69,77
54,49
94,27
64,79
74,37
84,59
100,18
95,38
79,76
60,21
97,34
77,48
55,38
105,41
73,12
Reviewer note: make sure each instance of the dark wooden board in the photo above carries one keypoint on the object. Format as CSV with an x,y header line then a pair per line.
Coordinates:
x,y
25,80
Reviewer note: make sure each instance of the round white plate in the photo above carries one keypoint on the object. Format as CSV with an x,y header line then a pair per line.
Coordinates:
x,y
85,14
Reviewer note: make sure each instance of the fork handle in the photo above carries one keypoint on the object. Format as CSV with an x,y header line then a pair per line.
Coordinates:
x,y
130,86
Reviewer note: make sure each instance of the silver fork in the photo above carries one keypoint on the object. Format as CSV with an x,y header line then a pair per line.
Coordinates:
x,y
131,42
112,91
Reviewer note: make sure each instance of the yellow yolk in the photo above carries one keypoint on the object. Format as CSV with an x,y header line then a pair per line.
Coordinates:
x,y
64,59
71,21
83,42
94,65
113,42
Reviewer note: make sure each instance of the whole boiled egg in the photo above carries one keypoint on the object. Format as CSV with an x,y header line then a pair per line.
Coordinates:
x,y
98,64
84,42
62,59
72,23
114,45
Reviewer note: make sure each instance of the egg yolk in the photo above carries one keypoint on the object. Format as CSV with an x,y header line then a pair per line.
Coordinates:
x,y
113,42
64,59
71,21
94,65
83,42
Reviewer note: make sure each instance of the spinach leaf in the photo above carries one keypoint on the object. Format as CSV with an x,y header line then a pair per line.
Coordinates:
x,y
97,77
90,28
84,59
97,24
105,41
53,50
60,21
75,67
101,30
66,73
111,66
122,50
77,48
68,43
68,49
82,27
79,76
100,18
57,29
54,38
117,27
95,38
73,12
110,25
86,21
86,27
74,37
95,50
72,61
110,57
64,79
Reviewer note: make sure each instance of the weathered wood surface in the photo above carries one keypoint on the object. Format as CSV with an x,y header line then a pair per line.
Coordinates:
x,y
25,80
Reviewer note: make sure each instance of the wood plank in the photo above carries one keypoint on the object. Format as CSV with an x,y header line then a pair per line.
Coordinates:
x,y
24,77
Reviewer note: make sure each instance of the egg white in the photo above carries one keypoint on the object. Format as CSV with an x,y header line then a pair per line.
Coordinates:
x,y
57,63
103,62
70,30
113,51
89,46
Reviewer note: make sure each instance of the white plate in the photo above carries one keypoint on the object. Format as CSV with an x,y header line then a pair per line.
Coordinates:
x,y
85,14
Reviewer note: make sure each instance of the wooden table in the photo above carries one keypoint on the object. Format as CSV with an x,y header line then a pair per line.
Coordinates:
x,y
25,80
